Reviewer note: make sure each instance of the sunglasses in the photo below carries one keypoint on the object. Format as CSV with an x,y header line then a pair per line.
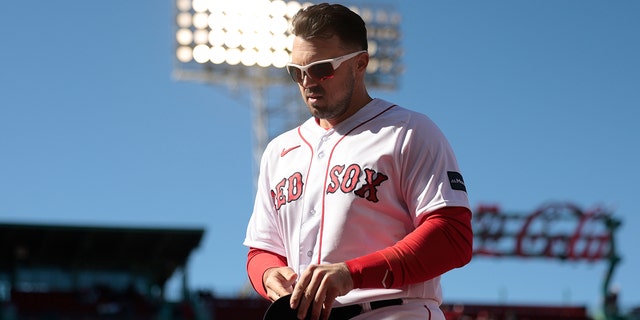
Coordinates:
x,y
319,70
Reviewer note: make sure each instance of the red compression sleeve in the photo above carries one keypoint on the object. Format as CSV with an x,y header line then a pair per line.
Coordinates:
x,y
258,261
443,241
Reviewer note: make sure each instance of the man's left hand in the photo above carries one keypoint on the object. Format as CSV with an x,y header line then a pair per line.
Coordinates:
x,y
318,287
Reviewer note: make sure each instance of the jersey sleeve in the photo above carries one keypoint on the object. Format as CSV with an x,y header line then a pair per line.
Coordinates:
x,y
263,231
431,175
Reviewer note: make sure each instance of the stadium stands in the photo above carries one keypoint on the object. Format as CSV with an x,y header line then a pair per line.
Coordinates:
x,y
78,272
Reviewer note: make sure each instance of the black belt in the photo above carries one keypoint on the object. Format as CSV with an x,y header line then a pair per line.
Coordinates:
x,y
348,312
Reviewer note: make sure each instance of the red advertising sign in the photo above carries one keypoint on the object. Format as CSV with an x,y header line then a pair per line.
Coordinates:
x,y
561,231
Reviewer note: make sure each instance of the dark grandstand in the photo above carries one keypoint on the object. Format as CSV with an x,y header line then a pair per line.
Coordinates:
x,y
79,272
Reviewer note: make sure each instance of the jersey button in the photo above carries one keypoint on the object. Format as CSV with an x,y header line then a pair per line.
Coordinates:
x,y
321,154
312,212
309,253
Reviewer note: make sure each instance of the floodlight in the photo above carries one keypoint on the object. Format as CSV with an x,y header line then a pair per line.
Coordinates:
x,y
233,38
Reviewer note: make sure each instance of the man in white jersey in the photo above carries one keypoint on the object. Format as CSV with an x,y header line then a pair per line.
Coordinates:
x,y
361,208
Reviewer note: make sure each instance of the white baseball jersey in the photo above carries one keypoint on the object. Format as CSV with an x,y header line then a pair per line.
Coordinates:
x,y
327,196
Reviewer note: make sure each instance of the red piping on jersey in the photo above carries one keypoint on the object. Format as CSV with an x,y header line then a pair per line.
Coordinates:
x,y
326,175
428,312
311,148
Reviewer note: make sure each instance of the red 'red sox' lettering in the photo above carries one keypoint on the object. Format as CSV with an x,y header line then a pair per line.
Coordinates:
x,y
370,186
287,190
348,180
341,177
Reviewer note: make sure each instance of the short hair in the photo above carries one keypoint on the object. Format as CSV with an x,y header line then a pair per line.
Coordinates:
x,y
326,20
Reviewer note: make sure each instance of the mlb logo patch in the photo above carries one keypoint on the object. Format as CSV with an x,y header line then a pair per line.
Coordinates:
x,y
456,181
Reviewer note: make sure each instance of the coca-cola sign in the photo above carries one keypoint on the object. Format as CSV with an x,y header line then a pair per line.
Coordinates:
x,y
561,231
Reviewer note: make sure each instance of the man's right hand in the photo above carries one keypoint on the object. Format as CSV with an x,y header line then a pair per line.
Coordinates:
x,y
279,282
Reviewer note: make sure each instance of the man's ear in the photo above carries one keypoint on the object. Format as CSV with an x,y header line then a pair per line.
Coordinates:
x,y
363,61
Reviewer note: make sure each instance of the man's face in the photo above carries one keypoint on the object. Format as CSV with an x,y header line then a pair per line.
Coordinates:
x,y
328,99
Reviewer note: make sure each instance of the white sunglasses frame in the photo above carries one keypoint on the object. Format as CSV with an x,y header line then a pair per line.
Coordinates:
x,y
335,63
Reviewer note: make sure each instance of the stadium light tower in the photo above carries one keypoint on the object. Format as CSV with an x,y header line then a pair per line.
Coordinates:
x,y
248,43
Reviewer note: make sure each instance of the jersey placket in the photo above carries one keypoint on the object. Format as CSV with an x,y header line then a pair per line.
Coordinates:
x,y
312,208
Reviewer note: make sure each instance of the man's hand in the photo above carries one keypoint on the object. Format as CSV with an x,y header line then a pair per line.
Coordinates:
x,y
279,282
318,287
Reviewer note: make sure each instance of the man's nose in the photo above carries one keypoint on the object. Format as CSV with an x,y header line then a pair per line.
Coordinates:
x,y
307,81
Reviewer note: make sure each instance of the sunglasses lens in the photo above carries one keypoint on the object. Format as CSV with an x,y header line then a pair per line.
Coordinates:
x,y
318,72
296,73
321,71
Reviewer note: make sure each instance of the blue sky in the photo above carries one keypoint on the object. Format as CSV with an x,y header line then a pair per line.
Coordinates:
x,y
538,98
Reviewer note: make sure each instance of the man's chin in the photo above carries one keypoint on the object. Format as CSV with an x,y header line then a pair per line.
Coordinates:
x,y
319,114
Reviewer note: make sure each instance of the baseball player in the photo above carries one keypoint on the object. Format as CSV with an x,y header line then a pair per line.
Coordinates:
x,y
360,209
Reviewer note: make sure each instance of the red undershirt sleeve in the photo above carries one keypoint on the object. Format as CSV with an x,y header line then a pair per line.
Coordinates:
x,y
258,261
443,241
